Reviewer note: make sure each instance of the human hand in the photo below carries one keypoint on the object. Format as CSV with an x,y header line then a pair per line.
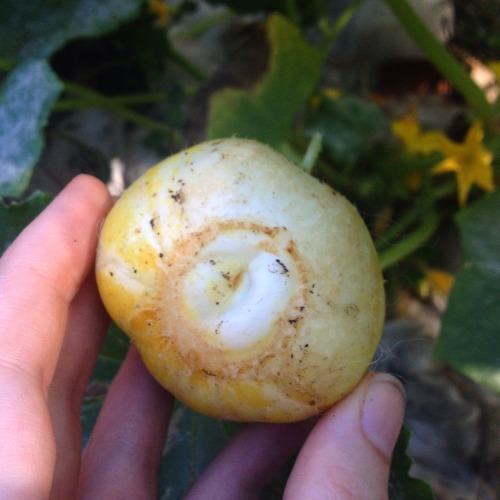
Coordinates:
x,y
52,325
347,454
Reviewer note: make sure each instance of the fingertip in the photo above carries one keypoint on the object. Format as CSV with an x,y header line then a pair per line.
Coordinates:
x,y
383,412
88,190
43,270
88,182
347,455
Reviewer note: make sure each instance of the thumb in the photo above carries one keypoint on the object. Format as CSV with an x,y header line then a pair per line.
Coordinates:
x,y
348,453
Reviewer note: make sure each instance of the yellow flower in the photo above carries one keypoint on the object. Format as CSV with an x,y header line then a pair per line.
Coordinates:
x,y
470,161
161,10
332,93
495,67
438,281
414,139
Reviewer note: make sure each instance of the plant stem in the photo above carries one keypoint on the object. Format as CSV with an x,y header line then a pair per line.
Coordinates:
x,y
398,228
313,150
333,32
186,65
445,190
122,100
410,243
89,98
441,58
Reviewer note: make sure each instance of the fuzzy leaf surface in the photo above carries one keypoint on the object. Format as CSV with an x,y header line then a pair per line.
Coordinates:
x,y
470,333
25,103
267,113
37,28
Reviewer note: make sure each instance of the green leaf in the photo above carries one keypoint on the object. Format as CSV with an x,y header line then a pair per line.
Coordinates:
x,y
479,228
35,29
401,485
31,32
470,332
349,126
16,216
193,441
268,112
108,363
88,416
25,102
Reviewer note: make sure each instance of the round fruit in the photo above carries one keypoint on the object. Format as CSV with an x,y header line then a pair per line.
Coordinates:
x,y
252,290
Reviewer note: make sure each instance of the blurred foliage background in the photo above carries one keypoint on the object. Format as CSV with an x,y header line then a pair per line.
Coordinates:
x,y
394,103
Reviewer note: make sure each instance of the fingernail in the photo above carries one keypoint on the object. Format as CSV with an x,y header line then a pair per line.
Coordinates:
x,y
383,412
